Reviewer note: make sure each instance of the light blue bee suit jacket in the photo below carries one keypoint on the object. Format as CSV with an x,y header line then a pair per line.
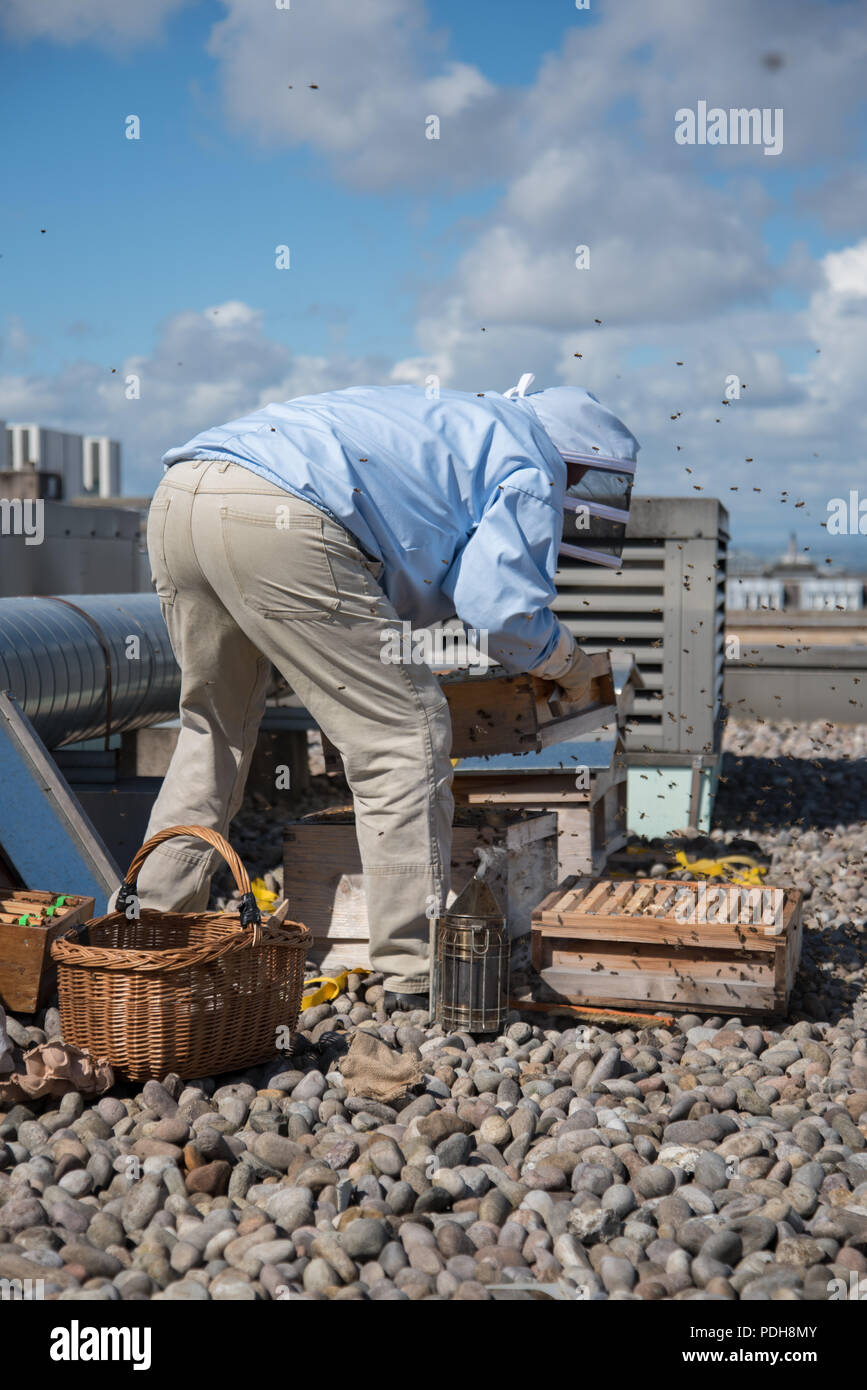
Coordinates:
x,y
460,496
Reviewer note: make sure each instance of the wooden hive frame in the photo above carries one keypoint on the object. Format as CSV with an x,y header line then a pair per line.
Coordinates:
x,y
618,944
493,712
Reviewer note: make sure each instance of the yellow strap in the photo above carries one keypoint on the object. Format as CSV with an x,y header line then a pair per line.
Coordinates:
x,y
726,867
265,899
329,987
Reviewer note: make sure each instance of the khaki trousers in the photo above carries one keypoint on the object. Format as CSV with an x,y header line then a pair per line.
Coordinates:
x,y
247,575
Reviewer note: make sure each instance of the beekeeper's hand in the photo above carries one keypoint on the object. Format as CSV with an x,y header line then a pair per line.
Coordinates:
x,y
576,679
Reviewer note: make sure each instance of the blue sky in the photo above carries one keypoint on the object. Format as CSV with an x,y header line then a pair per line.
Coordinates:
x,y
188,213
557,129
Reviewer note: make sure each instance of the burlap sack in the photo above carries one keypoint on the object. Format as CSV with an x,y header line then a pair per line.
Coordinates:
x,y
373,1070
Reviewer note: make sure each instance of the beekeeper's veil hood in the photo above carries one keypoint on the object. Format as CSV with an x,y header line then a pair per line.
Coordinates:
x,y
586,433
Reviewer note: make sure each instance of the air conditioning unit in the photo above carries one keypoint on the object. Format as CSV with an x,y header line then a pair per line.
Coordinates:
x,y
665,604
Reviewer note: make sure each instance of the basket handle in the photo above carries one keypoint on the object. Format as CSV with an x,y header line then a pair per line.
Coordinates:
x,y
249,909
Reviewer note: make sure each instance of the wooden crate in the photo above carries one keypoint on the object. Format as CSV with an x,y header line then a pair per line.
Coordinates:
x,y
493,712
625,943
591,809
28,975
323,879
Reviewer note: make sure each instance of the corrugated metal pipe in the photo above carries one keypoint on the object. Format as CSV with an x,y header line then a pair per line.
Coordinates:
x,y
85,665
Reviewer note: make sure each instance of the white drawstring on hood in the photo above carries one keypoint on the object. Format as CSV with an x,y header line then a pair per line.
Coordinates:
x,y
522,387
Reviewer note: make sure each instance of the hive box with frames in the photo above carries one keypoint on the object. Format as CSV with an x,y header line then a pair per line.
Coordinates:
x,y
657,943
494,712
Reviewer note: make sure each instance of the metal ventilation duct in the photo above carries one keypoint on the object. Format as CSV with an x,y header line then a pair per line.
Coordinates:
x,y
54,660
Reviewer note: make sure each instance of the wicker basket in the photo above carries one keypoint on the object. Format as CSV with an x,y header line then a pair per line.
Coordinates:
x,y
193,993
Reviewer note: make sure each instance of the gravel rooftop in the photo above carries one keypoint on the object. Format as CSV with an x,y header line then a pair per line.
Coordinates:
x,y
713,1160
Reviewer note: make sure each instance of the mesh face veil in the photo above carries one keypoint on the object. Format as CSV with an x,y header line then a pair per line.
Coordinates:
x,y
597,510
601,452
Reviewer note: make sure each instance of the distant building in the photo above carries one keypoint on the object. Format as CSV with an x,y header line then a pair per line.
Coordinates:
x,y
101,466
47,451
792,583
793,565
831,592
86,467
755,591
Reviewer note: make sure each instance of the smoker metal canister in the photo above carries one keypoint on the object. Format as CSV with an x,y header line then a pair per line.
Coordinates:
x,y
472,962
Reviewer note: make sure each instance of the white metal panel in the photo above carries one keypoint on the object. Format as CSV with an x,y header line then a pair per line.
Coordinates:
x,y
667,604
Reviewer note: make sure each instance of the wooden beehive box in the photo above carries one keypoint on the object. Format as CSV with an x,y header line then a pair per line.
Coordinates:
x,y
493,712
583,781
323,879
27,974
591,807
642,942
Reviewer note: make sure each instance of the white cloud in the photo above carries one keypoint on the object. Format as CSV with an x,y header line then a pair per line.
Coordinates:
x,y
802,430
16,343
207,367
356,82
655,252
798,428
840,202
108,23
380,68
680,266
846,272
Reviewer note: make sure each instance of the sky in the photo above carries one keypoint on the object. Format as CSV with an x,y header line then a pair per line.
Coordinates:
x,y
720,308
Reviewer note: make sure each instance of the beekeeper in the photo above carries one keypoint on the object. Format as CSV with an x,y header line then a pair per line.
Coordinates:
x,y
301,533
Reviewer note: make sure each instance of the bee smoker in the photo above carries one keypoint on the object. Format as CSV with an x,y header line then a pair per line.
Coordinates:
x,y
471,962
